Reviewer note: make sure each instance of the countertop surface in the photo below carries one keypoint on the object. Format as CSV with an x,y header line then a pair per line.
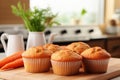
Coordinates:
x,y
19,29
85,38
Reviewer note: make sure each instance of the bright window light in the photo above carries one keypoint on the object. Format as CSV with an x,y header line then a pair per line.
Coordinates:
x,y
69,11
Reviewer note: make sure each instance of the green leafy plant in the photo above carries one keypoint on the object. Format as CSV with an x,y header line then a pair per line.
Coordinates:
x,y
77,17
36,20
83,12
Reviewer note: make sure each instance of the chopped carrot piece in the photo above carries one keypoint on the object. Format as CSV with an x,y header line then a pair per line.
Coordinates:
x,y
12,65
11,58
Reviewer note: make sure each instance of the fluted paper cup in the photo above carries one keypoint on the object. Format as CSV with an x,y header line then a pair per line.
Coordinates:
x,y
35,65
66,68
96,66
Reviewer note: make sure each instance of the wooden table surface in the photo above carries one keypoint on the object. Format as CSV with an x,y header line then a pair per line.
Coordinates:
x,y
20,74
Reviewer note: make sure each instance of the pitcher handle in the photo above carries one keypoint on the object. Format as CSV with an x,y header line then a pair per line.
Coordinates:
x,y
50,40
3,36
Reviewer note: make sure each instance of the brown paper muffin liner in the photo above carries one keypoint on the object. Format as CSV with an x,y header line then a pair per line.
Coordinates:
x,y
66,68
36,65
96,66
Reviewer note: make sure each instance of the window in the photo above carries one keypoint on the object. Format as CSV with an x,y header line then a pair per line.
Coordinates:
x,y
69,11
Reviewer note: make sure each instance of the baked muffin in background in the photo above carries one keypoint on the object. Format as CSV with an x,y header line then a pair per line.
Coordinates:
x,y
66,62
78,47
95,60
36,59
63,47
52,47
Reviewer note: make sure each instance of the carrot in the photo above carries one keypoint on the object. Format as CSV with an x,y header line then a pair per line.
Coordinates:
x,y
12,65
10,58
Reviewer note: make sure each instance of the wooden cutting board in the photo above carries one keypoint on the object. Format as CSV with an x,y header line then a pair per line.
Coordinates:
x,y
20,74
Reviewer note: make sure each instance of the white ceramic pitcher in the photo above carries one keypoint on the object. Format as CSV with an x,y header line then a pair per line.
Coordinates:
x,y
15,43
37,39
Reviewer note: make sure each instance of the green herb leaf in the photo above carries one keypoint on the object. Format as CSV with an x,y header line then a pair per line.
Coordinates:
x,y
36,20
83,12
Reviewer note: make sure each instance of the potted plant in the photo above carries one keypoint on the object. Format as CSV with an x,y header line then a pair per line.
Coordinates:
x,y
36,22
77,18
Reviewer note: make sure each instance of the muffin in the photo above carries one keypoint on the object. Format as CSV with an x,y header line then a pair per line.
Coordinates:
x,y
52,47
95,60
78,47
66,62
63,47
36,59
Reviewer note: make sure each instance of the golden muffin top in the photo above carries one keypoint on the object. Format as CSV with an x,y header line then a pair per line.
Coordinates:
x,y
37,52
66,55
95,53
78,47
52,47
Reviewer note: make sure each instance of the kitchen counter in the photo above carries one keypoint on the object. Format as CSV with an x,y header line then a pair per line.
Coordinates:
x,y
105,36
69,34
85,38
109,42
20,74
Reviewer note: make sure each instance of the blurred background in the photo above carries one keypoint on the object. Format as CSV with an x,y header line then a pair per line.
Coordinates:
x,y
96,22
